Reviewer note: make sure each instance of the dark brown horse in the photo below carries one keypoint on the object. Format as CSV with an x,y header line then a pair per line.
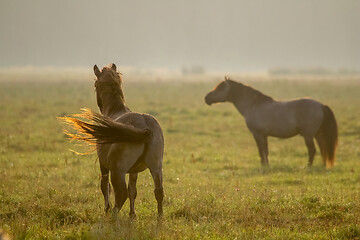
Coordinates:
x,y
127,142
265,117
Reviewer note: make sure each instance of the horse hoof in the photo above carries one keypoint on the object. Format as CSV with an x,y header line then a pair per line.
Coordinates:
x,y
115,210
160,219
107,208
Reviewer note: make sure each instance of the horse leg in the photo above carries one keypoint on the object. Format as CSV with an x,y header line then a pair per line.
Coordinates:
x,y
322,145
309,141
105,186
262,144
159,191
132,192
266,150
119,184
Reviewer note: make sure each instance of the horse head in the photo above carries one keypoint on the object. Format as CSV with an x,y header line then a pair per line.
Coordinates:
x,y
107,84
219,93
107,75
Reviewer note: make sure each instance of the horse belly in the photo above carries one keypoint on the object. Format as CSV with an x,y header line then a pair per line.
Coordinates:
x,y
124,156
139,166
274,123
283,132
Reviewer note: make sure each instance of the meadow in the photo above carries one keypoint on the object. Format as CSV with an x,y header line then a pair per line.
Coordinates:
x,y
214,185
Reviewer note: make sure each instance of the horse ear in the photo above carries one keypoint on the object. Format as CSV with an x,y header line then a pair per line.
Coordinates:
x,y
97,71
227,77
113,67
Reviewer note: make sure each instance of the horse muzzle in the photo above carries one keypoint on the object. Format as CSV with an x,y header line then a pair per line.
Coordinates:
x,y
207,100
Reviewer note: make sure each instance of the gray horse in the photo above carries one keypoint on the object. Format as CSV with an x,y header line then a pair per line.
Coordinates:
x,y
265,117
127,142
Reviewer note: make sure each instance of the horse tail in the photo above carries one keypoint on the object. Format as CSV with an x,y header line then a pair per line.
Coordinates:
x,y
102,129
327,137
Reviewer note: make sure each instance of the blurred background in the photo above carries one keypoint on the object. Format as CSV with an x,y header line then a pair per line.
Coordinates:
x,y
186,37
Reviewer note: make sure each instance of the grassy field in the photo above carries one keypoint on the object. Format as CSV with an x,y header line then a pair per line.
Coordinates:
x,y
214,185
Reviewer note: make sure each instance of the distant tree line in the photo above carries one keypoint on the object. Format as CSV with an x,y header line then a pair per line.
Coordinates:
x,y
312,71
193,70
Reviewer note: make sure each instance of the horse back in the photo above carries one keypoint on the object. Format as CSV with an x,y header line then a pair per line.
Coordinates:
x,y
142,121
307,109
132,118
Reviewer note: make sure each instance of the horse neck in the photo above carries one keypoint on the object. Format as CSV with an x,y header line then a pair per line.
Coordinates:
x,y
246,98
113,105
242,105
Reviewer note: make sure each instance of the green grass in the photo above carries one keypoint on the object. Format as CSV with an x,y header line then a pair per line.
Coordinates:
x,y
214,185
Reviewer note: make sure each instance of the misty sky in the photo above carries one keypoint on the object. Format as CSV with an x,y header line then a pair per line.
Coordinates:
x,y
227,35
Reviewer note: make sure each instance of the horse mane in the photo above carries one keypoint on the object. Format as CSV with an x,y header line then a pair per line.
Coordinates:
x,y
250,92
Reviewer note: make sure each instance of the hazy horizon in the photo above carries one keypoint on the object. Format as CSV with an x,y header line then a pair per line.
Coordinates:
x,y
229,35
